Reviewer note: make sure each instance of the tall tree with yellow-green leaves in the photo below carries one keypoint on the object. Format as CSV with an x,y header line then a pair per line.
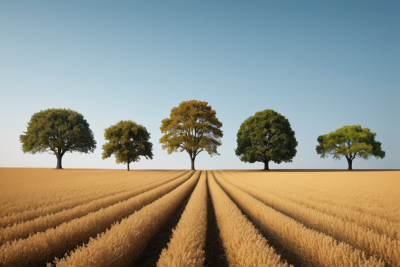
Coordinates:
x,y
192,127
127,140
58,131
350,142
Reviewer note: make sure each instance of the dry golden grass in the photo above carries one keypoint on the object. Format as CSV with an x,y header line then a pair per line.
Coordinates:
x,y
189,236
360,237
40,224
315,248
244,245
127,238
42,246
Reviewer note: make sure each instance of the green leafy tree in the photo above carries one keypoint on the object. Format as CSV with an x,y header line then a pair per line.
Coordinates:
x,y
264,137
350,142
192,127
128,141
57,131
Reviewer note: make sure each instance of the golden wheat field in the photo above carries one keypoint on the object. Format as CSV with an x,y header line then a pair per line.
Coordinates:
x,y
75,217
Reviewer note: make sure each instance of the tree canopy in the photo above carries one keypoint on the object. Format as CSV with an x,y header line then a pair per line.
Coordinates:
x,y
192,127
57,131
350,142
128,141
264,137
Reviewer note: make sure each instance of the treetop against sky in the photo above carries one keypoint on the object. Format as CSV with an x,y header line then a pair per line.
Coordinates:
x,y
322,65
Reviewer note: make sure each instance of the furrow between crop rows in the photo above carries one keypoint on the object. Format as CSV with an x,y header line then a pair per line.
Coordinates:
x,y
188,238
127,238
66,194
214,250
152,251
380,225
315,248
386,210
23,230
43,247
318,186
28,215
369,241
244,245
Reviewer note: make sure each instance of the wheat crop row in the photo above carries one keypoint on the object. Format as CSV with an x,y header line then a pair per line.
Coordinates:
x,y
360,237
9,221
385,208
365,186
189,236
40,193
74,196
128,238
36,198
44,246
70,203
319,200
19,183
23,230
382,205
361,187
315,248
380,225
244,245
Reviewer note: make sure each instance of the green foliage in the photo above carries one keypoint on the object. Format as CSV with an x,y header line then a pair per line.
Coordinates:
x,y
349,141
192,127
57,131
128,141
266,136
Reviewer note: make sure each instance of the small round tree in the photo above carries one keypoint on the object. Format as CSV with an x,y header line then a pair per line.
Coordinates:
x,y
57,131
350,142
128,141
264,137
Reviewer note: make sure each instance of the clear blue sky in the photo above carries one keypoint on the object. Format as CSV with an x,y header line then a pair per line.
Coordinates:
x,y
322,64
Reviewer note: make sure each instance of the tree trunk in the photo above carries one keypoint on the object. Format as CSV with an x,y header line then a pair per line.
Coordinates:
x,y
350,162
59,165
266,165
192,160
128,167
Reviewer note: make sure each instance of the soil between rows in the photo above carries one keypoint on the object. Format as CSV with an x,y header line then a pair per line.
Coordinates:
x,y
214,249
286,254
151,254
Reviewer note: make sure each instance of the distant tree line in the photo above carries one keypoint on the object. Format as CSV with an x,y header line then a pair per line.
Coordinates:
x,y
193,127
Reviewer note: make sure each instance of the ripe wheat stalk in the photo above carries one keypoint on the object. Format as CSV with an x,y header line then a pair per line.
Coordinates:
x,y
40,224
44,245
244,245
315,248
129,237
189,236
366,200
369,241
32,192
71,201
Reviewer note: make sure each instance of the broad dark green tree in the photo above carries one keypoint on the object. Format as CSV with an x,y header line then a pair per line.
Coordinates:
x,y
192,127
127,140
264,137
350,142
57,131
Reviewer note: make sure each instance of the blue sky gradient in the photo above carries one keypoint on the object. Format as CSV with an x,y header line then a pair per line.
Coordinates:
x,y
321,64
